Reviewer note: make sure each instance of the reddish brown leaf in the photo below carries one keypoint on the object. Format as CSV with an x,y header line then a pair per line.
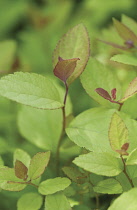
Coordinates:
x,y
103,93
20,170
122,152
65,68
125,146
113,93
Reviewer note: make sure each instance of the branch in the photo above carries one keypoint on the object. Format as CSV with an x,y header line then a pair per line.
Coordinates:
x,y
125,171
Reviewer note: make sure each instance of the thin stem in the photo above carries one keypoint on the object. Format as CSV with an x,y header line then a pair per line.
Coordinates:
x,y
125,172
30,183
120,106
63,108
116,102
63,128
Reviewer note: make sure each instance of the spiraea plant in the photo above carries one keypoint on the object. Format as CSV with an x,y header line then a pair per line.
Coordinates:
x,y
83,162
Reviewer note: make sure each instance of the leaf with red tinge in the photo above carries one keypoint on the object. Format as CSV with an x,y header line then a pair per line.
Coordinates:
x,y
118,134
20,170
122,152
64,68
113,93
74,44
124,31
131,90
125,146
103,93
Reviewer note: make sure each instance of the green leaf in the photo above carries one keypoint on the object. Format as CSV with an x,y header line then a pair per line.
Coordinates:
x,y
128,21
64,68
23,156
118,132
131,90
30,201
12,186
51,186
96,75
8,180
57,201
132,171
125,59
7,55
132,158
30,89
124,182
124,31
8,174
21,170
100,163
38,164
127,201
108,186
79,47
90,129
43,127
74,174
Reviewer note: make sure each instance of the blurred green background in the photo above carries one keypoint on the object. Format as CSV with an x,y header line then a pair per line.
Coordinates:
x,y
29,32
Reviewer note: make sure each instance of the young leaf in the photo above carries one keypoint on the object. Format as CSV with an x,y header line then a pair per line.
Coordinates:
x,y
74,44
20,170
98,75
132,24
38,164
125,59
108,186
132,158
22,156
103,93
100,163
131,90
57,201
124,31
64,68
125,146
74,174
123,150
118,132
126,201
51,186
30,201
30,89
113,93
